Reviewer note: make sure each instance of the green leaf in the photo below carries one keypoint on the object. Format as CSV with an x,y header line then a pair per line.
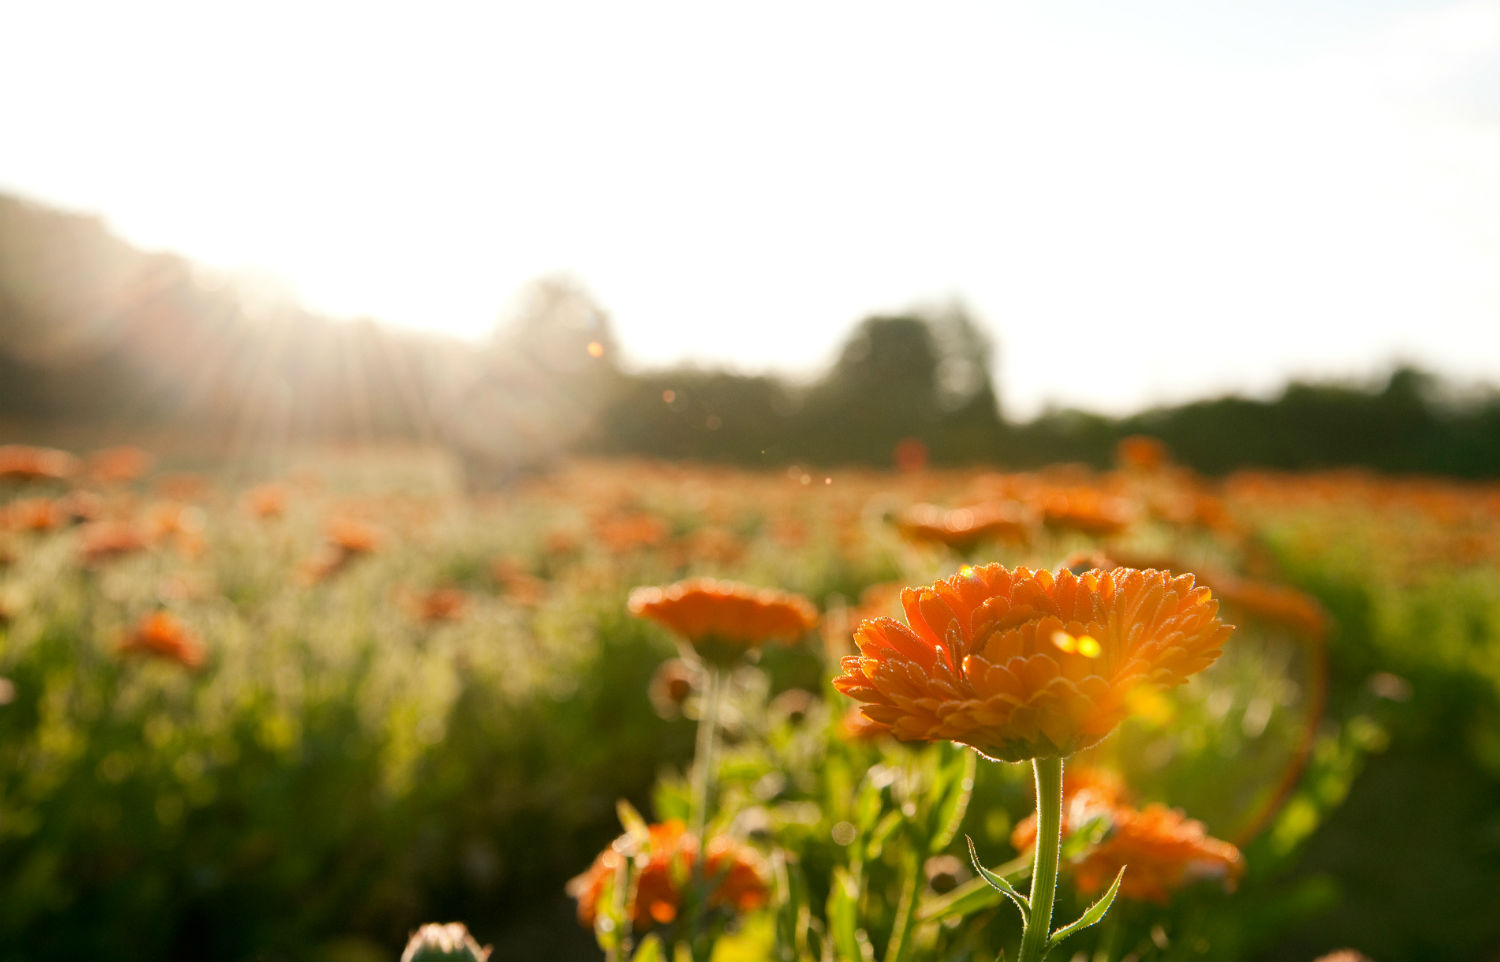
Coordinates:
x,y
634,824
867,807
1094,914
650,950
850,944
892,821
949,812
1000,884
792,910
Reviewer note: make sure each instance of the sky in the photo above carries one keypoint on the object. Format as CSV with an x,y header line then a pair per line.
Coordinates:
x,y
1141,203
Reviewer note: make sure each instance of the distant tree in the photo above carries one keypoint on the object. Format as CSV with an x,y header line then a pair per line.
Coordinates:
x,y
535,391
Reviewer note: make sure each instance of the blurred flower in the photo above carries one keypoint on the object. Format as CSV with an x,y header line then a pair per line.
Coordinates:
x,y
347,539
118,465
440,604
910,455
184,486
660,866
1277,604
1163,849
1022,664
163,636
1141,453
518,584
33,514
266,500
352,536
622,535
723,619
1085,510
963,528
21,462
944,873
792,706
102,541
673,682
440,942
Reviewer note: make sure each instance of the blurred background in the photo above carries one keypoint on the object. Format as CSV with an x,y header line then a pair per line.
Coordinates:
x,y
386,350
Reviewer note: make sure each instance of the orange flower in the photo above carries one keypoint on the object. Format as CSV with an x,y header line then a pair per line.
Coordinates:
x,y
963,528
351,536
1141,453
722,619
1163,848
440,604
1029,664
661,867
347,539
118,465
104,540
163,636
1277,604
1085,510
33,514
21,462
267,500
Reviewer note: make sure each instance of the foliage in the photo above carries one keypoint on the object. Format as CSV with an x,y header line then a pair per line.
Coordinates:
x,y
344,767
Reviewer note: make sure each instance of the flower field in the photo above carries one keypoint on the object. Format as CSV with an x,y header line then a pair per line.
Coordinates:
x,y
296,712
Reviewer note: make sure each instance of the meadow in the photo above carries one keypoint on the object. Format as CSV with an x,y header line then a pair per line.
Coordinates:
x,y
295,711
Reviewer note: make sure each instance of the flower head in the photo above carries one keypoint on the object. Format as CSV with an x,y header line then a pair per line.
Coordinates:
x,y
20,462
660,866
1163,849
963,528
444,942
722,619
163,636
1029,664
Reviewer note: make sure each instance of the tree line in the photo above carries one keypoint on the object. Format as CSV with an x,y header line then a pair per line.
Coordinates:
x,y
96,333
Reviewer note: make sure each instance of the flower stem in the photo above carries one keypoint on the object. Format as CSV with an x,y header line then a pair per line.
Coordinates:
x,y
1048,845
703,781
704,750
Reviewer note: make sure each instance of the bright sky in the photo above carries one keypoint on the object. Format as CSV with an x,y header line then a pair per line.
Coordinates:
x,y
1142,202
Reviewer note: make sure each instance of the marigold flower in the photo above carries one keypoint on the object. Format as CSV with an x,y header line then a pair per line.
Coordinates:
x,y
1026,664
671,684
32,514
440,604
1141,453
102,541
1277,604
660,869
163,636
963,528
1086,510
118,465
267,500
21,462
1163,848
723,619
352,536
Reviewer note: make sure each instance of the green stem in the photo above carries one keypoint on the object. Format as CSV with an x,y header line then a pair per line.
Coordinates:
x,y
1048,845
703,752
703,781
906,909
